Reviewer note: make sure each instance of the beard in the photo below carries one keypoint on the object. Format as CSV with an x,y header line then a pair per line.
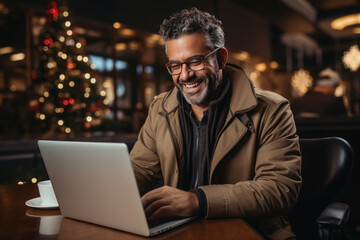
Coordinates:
x,y
207,93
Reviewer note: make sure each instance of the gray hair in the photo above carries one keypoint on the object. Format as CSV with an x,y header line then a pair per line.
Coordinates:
x,y
193,21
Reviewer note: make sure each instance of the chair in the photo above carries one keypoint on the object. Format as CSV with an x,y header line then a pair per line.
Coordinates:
x,y
326,165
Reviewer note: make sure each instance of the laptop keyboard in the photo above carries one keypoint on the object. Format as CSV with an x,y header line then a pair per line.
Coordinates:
x,y
159,222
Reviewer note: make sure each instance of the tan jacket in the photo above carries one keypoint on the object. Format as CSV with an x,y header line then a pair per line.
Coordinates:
x,y
255,169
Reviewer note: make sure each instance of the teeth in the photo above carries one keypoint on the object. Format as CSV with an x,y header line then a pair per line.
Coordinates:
x,y
192,85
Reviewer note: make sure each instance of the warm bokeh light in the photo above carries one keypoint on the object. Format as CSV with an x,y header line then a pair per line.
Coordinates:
x,y
274,65
301,81
345,21
117,25
261,67
17,57
351,58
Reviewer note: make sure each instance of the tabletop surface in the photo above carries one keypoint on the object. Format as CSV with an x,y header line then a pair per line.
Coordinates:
x,y
18,221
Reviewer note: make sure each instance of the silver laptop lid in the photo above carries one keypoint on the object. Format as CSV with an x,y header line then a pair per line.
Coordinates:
x,y
95,182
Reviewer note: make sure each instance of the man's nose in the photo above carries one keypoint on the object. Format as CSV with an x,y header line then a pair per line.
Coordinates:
x,y
186,73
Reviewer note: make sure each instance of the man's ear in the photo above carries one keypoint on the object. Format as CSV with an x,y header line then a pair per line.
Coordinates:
x,y
222,56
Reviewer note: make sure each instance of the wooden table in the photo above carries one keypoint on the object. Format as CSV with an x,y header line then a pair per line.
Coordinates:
x,y
17,221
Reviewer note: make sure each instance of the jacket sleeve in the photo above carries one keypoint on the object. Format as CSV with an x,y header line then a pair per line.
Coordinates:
x,y
277,165
145,160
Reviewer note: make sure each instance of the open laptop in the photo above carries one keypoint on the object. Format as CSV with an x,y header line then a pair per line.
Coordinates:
x,y
95,182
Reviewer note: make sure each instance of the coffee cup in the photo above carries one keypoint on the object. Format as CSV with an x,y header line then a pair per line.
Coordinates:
x,y
50,225
47,194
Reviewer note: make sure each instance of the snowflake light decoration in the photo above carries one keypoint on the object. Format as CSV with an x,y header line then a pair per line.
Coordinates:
x,y
301,81
351,58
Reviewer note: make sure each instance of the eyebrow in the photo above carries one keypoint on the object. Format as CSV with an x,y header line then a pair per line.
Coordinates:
x,y
195,56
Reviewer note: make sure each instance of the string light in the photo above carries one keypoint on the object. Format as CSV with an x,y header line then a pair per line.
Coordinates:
x,y
67,24
41,99
60,122
79,58
60,86
42,116
88,118
93,80
78,45
69,32
62,39
87,75
85,59
65,13
46,94
71,83
62,77
67,130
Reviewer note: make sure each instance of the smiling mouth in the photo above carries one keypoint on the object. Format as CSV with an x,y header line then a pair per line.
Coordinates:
x,y
192,85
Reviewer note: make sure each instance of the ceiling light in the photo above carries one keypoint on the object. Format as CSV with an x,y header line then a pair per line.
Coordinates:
x,y
345,21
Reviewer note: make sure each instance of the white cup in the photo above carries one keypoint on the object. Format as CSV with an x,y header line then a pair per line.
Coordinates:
x,y
47,193
50,225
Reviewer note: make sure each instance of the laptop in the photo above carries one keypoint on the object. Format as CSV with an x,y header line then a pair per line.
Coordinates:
x,y
95,182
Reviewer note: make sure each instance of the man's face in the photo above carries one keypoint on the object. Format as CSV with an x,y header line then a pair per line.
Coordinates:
x,y
198,87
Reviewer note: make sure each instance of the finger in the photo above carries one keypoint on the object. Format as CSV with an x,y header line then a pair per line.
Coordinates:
x,y
162,212
150,197
155,205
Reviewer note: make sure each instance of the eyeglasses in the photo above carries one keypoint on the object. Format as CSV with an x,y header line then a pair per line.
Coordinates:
x,y
195,63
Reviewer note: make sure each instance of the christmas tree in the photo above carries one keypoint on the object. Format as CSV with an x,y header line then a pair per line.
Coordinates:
x,y
69,100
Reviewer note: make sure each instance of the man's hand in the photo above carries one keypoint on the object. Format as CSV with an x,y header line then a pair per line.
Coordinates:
x,y
167,202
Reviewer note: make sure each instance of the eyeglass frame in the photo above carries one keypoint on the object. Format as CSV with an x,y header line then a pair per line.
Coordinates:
x,y
186,62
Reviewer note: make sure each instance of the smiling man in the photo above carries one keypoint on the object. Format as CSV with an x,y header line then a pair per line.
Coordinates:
x,y
221,147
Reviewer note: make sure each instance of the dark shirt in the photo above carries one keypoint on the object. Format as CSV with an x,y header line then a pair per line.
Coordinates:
x,y
317,104
200,141
197,170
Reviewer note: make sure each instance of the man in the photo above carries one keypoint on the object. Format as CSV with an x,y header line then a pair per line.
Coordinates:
x,y
221,147
327,104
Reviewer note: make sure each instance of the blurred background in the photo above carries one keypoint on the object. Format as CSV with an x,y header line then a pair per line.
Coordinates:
x,y
88,70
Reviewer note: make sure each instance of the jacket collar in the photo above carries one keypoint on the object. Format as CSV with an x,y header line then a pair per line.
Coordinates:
x,y
243,93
